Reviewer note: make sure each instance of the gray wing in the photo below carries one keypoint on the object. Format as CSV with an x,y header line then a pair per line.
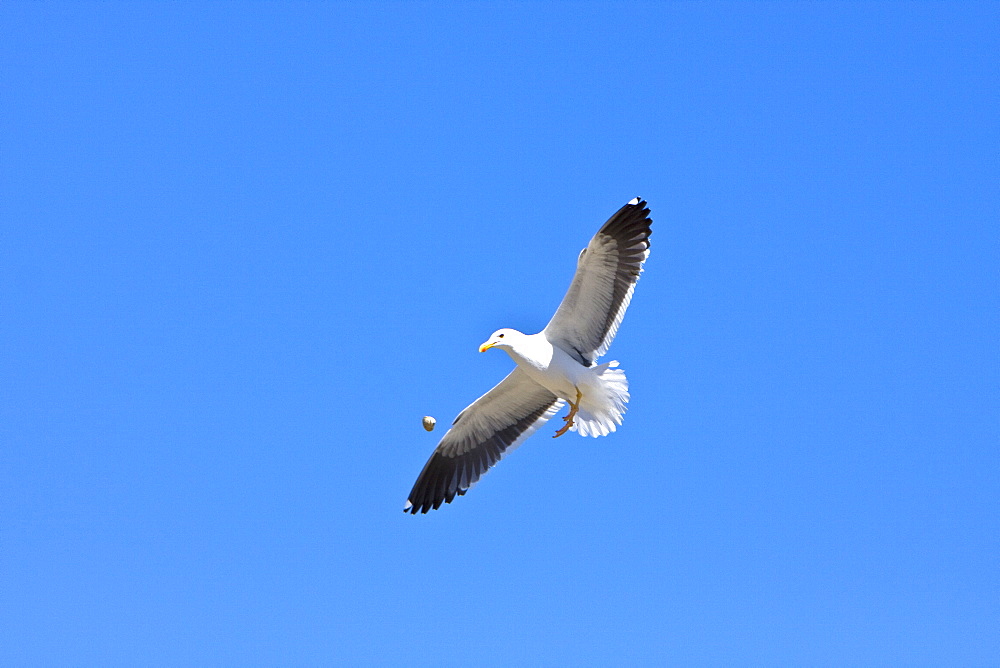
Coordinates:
x,y
587,320
481,435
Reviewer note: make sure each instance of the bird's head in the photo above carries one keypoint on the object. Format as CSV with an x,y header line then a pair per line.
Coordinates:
x,y
502,338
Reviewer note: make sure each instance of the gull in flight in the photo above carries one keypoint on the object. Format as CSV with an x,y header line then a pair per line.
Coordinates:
x,y
554,367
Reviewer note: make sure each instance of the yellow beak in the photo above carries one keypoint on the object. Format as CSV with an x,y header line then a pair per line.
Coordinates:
x,y
486,346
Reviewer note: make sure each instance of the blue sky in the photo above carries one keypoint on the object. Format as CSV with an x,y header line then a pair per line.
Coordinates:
x,y
246,247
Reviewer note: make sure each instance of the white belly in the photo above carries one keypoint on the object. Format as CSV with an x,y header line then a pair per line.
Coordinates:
x,y
551,368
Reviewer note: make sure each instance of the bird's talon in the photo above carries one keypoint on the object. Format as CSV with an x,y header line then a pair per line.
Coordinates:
x,y
563,430
568,419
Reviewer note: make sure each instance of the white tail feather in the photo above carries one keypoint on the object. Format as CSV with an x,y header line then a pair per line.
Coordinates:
x,y
602,406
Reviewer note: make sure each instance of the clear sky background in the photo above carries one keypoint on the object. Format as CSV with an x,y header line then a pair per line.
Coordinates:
x,y
244,248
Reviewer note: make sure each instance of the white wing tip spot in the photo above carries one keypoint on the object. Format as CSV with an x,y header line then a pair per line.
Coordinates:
x,y
407,506
633,201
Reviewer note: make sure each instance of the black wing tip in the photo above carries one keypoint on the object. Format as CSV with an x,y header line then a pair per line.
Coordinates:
x,y
637,204
421,506
442,479
414,508
632,219
428,505
636,209
446,476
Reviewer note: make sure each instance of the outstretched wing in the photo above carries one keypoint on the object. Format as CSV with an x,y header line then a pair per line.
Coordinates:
x,y
587,320
481,435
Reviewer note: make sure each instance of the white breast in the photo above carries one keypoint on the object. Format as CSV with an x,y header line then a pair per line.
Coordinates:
x,y
547,365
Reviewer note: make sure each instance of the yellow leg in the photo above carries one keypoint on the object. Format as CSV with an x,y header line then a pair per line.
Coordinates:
x,y
573,408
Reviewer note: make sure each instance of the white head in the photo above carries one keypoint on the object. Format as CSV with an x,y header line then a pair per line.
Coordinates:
x,y
502,338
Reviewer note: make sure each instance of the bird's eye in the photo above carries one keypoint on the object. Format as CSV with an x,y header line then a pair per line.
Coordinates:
x,y
500,336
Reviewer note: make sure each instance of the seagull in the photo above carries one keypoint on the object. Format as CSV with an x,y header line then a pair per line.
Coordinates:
x,y
556,366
